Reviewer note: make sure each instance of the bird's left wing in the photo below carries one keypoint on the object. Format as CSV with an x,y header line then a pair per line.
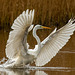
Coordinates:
x,y
18,36
54,43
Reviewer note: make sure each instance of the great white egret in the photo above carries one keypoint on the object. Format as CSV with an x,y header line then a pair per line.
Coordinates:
x,y
17,48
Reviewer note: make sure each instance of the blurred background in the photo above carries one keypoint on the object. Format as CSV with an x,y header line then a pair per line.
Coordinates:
x,y
52,13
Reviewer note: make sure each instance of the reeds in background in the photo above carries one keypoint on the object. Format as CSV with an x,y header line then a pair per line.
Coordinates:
x,y
47,12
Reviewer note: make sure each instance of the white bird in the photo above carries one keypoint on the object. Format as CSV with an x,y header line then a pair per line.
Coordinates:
x,y
17,48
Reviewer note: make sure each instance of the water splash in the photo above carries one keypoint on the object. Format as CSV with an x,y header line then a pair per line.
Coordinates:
x,y
3,60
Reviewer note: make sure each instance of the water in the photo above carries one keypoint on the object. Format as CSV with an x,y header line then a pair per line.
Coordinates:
x,y
39,71
62,64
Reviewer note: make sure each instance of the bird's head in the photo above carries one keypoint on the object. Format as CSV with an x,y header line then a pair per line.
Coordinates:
x,y
41,27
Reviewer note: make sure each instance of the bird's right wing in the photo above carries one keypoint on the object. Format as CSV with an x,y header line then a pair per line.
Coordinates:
x,y
54,43
18,36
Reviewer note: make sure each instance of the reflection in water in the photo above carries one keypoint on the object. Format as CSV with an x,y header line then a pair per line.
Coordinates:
x,y
36,71
20,72
61,69
40,73
14,72
73,52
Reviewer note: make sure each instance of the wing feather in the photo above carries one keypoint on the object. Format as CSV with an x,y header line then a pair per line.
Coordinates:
x,y
53,43
21,23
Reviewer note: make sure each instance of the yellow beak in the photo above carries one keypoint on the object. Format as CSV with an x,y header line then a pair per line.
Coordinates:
x,y
45,27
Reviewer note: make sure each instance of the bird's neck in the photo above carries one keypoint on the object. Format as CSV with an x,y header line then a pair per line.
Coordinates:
x,y
36,37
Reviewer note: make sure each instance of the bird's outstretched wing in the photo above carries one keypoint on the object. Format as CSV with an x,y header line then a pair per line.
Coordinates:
x,y
53,43
18,36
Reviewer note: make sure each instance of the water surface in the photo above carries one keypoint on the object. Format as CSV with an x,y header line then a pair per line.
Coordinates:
x,y
62,64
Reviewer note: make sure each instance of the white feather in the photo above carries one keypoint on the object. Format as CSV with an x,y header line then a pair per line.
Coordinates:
x,y
14,43
54,42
